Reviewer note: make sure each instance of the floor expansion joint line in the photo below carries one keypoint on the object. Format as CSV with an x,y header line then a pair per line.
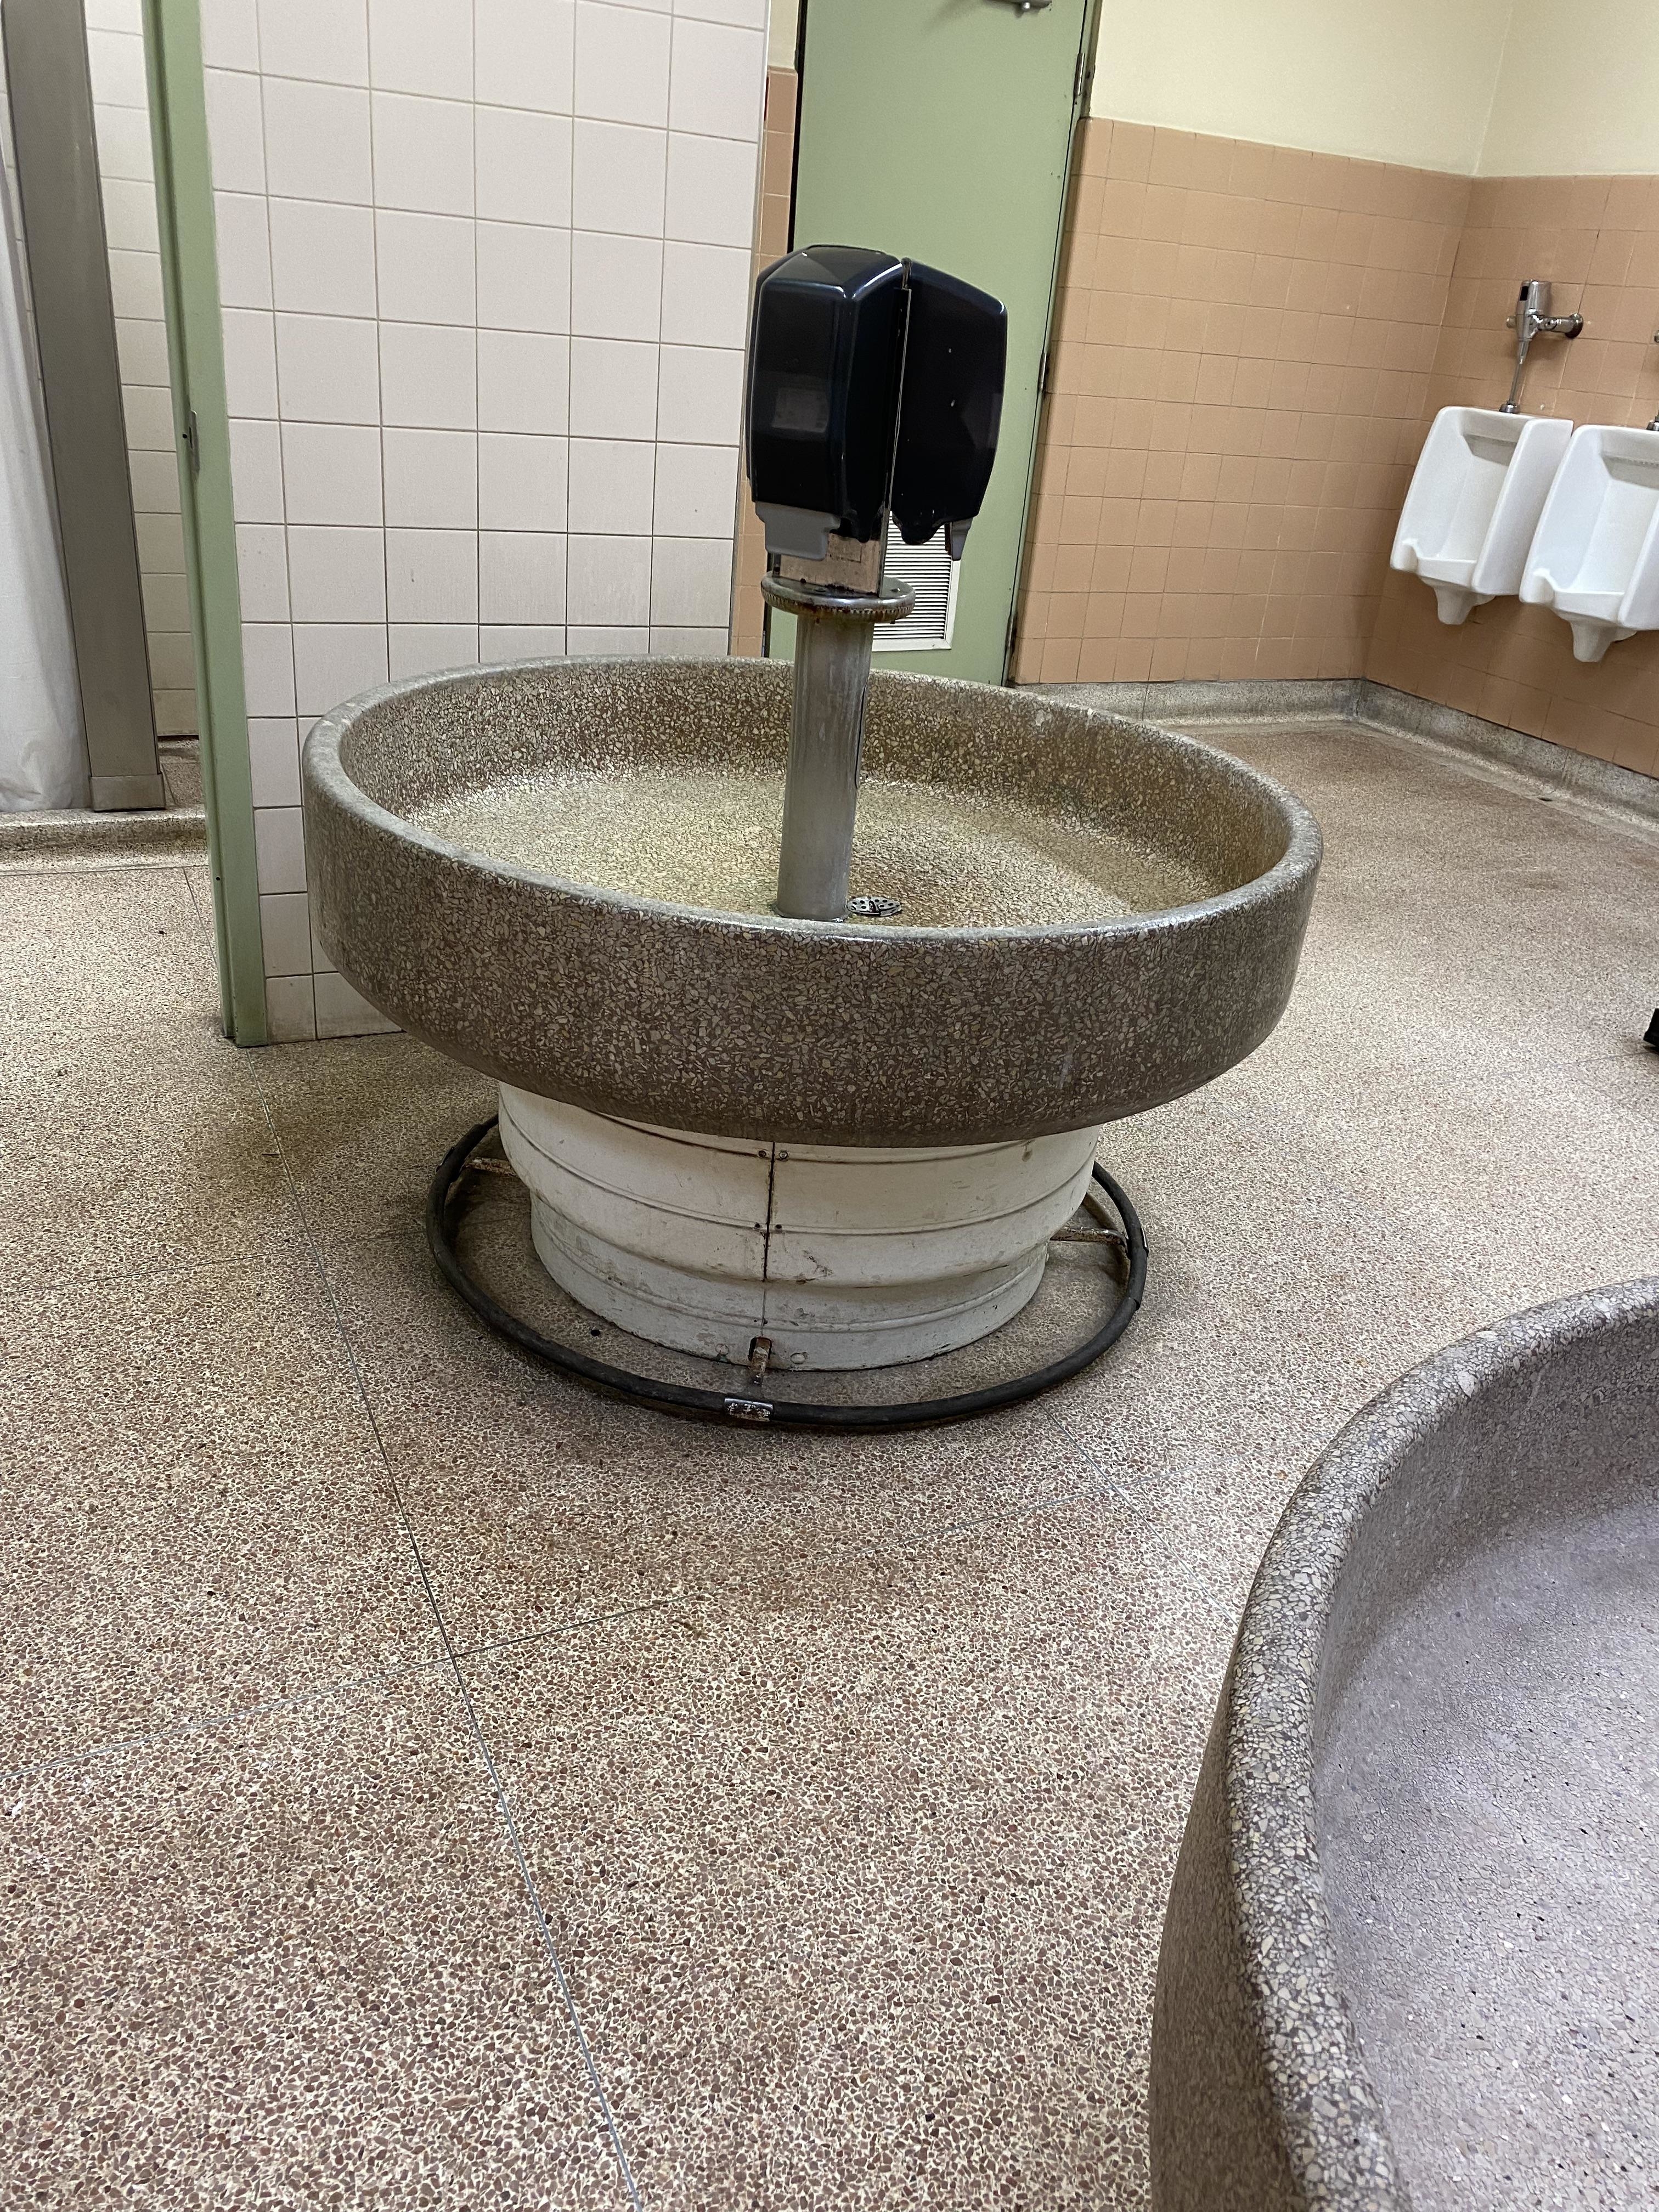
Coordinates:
x,y
481,1744
1086,1453
340,1685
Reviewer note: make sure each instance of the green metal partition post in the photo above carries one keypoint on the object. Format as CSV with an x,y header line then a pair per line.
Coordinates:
x,y
189,274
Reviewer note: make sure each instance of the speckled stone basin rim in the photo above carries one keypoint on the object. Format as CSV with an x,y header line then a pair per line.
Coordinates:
x,y
832,1033
1260,2099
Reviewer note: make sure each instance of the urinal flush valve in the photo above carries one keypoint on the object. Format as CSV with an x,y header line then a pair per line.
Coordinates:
x,y
1532,319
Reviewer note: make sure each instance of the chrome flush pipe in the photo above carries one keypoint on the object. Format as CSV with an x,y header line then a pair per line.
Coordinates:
x,y
1532,319
834,629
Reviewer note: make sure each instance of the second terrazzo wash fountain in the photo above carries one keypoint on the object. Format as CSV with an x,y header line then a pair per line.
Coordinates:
x,y
808,997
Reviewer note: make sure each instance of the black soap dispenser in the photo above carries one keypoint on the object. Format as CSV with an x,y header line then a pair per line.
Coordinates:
x,y
875,386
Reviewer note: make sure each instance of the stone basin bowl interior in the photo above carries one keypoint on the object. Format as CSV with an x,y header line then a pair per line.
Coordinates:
x,y
1411,1953
754,1026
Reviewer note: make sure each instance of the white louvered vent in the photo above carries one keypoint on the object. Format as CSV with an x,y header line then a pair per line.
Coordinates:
x,y
933,573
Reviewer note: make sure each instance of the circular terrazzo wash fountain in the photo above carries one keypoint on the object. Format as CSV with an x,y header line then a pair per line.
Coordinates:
x,y
1410,1961
808,994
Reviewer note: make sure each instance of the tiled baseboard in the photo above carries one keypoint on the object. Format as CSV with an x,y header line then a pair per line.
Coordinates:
x,y
1311,699
1555,771
161,836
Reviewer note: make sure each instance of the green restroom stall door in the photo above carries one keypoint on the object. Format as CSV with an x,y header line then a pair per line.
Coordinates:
x,y
941,129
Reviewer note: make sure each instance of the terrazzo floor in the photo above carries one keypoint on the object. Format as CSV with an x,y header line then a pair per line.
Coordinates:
x,y
425,1784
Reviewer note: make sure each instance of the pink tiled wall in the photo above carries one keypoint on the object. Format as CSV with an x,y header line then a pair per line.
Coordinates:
x,y
1244,340
1250,344
1597,239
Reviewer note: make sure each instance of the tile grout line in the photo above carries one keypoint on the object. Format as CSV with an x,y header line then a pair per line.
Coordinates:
x,y
515,1840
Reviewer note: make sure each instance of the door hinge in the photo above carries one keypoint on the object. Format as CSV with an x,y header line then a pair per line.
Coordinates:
x,y
192,442
1042,375
1008,641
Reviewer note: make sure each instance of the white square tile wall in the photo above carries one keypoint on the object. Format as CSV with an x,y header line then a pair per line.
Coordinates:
x,y
115,51
484,267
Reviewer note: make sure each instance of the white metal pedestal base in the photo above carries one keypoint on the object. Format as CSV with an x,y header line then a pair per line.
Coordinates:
x,y
843,1256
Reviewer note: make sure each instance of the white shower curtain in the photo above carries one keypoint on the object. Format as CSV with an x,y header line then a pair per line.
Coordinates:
x,y
43,755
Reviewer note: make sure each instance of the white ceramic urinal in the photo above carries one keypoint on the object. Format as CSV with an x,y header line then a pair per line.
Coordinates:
x,y
1479,486
1595,559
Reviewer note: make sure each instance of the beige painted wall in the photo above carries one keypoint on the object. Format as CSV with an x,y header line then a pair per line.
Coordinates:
x,y
1578,92
781,19
1409,80
1486,88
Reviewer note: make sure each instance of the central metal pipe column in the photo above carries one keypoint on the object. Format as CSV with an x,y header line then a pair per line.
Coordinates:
x,y
835,630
